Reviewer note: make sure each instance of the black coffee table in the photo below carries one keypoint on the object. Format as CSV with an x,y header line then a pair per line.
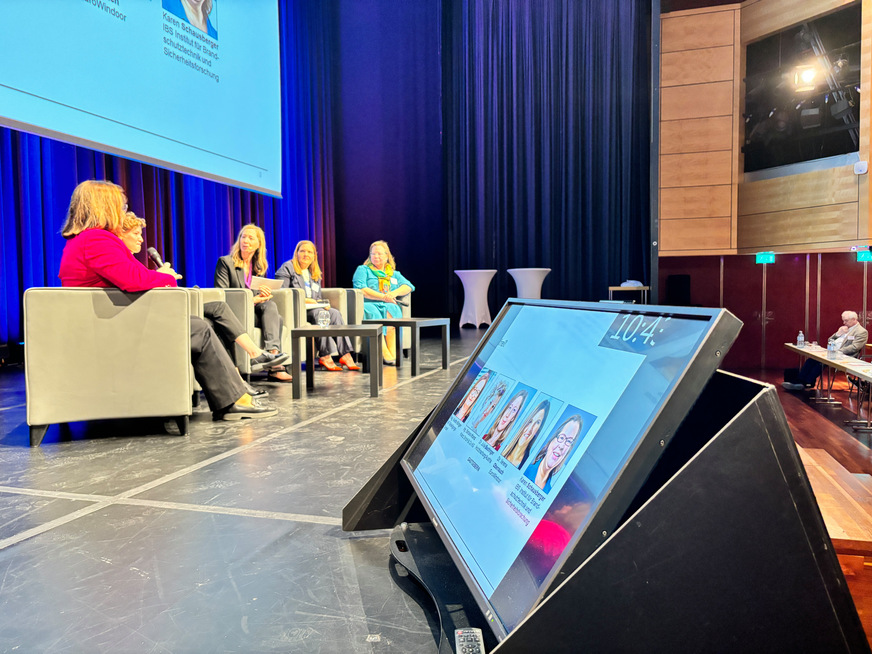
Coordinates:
x,y
371,333
416,324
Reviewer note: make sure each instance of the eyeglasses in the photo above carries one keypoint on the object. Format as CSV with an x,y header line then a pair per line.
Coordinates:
x,y
563,439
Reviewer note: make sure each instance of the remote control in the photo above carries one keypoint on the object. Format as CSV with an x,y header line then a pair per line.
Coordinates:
x,y
468,641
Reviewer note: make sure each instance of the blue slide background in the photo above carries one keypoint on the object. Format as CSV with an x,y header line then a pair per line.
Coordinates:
x,y
95,72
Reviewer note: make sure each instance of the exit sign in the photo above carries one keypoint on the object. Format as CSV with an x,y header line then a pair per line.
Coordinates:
x,y
765,257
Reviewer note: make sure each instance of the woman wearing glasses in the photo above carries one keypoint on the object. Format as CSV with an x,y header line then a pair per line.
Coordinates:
x,y
554,453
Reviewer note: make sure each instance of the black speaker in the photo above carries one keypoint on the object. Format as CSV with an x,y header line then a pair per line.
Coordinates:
x,y
727,551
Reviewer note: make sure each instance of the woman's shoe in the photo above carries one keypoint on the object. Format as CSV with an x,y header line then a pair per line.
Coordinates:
x,y
279,376
348,362
389,362
329,364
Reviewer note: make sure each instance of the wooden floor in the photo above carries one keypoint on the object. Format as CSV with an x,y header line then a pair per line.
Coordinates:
x,y
838,462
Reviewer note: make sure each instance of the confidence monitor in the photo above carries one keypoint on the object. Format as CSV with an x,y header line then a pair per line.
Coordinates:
x,y
537,450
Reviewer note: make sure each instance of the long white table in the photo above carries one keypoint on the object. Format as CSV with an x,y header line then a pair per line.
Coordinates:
x,y
850,365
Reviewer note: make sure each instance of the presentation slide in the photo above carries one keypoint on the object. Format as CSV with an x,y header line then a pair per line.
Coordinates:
x,y
151,80
522,451
553,411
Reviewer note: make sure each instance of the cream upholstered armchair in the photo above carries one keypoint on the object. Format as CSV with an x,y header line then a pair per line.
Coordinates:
x,y
97,353
241,303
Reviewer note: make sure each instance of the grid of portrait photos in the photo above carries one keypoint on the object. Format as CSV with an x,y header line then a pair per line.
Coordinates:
x,y
535,432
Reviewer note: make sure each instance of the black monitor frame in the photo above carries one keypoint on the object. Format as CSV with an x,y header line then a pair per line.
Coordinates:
x,y
722,330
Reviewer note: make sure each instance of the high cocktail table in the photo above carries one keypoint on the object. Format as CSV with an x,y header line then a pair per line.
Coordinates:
x,y
371,333
415,324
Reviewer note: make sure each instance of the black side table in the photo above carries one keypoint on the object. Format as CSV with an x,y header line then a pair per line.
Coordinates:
x,y
371,333
416,324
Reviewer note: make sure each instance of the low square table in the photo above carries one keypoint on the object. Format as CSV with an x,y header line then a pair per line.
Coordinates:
x,y
416,324
371,333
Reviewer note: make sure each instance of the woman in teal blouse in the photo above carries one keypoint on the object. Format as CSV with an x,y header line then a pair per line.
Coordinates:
x,y
382,284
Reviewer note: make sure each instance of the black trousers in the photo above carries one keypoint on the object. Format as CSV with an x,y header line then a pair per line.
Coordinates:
x,y
224,322
266,316
213,368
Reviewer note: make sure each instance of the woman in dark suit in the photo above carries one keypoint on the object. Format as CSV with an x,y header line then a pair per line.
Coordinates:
x,y
304,272
236,270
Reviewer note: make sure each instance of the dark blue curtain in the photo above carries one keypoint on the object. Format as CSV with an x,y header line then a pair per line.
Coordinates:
x,y
189,220
546,116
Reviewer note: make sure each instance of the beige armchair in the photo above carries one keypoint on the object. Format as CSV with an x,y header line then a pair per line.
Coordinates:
x,y
288,301
95,353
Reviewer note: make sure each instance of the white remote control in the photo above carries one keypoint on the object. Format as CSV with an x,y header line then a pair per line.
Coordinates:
x,y
468,641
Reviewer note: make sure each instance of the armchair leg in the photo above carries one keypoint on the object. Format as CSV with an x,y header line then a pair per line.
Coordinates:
x,y
182,424
37,433
195,399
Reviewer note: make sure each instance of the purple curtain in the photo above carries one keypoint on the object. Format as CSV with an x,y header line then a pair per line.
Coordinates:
x,y
546,113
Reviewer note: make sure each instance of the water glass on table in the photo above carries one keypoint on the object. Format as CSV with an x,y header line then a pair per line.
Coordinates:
x,y
323,319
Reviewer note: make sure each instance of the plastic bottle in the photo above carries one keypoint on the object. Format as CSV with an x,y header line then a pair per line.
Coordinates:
x,y
831,348
800,340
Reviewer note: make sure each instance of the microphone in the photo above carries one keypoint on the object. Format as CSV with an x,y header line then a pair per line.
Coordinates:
x,y
154,256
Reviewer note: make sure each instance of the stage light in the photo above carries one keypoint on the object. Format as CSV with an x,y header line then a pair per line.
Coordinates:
x,y
804,78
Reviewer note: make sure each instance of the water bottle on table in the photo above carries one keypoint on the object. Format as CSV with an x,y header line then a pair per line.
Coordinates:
x,y
831,349
800,340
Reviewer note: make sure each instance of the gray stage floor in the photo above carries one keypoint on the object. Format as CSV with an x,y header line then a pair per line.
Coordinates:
x,y
117,537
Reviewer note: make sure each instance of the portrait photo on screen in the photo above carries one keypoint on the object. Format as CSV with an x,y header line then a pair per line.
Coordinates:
x,y
507,415
201,14
493,396
555,452
467,404
534,422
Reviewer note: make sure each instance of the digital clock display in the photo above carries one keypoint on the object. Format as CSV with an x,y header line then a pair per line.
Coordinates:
x,y
636,332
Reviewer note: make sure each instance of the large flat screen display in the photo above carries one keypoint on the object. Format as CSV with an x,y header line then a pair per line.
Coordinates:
x,y
536,441
152,80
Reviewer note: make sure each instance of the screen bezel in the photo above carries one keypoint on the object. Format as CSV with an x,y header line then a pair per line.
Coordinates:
x,y
715,341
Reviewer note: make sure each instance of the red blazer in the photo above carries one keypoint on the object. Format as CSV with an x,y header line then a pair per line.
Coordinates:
x,y
96,257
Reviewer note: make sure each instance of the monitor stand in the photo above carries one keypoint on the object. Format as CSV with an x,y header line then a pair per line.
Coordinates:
x,y
418,548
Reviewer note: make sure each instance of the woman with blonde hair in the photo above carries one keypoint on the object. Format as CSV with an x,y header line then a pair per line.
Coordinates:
x,y
246,260
503,424
382,284
518,449
304,272
95,256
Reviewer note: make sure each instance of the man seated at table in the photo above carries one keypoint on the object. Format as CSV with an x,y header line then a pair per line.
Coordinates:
x,y
850,340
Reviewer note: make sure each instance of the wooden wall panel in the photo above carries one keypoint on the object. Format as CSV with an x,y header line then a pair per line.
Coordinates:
x,y
698,144
702,30
696,234
764,17
696,169
696,135
815,189
697,66
817,226
695,202
696,101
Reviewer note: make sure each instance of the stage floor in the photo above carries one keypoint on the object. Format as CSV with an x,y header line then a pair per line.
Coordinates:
x,y
117,537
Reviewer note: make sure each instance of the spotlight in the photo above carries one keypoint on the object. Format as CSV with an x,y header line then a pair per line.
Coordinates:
x,y
804,77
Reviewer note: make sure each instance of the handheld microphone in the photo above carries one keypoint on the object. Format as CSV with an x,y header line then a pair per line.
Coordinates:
x,y
154,256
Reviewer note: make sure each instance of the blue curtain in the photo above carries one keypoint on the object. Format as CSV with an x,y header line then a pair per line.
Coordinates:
x,y
546,115
191,221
